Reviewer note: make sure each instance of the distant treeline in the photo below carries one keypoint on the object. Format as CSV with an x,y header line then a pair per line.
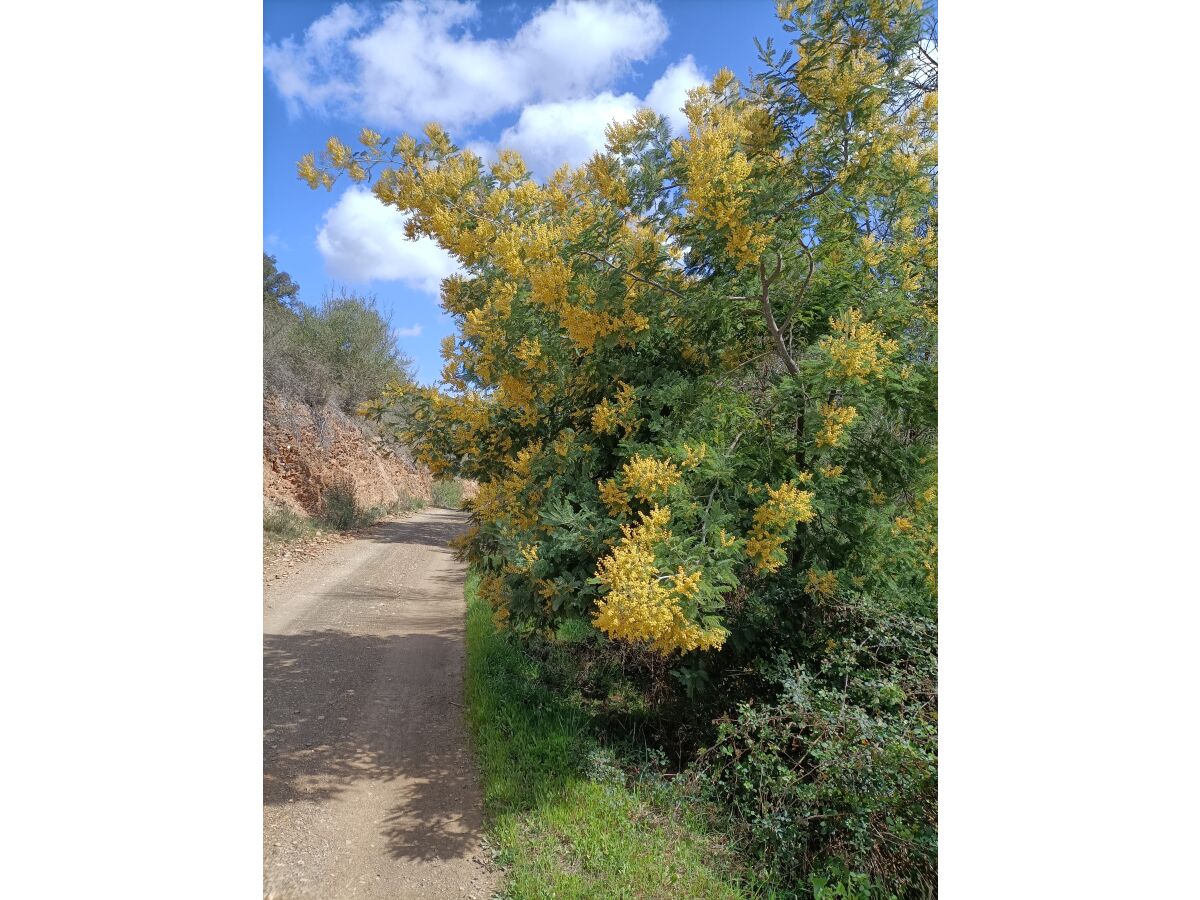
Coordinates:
x,y
340,353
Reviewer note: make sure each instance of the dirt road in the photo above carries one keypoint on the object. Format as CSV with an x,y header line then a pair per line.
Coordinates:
x,y
369,788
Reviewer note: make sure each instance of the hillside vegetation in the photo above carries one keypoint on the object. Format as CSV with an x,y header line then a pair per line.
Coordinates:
x,y
696,380
323,466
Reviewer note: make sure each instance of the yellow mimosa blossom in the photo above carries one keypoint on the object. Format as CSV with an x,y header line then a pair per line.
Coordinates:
x,y
615,500
835,420
643,606
774,523
647,478
821,584
856,348
693,456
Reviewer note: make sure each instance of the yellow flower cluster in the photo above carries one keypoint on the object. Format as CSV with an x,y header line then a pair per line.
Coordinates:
x,y
529,352
509,168
605,175
647,478
549,285
821,584
835,420
615,500
620,136
718,170
608,415
857,349
642,605
520,394
872,250
339,154
774,524
585,327
507,501
693,456
491,589
311,175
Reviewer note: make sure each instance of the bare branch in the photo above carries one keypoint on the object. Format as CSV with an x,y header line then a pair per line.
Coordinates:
x,y
803,288
626,272
769,316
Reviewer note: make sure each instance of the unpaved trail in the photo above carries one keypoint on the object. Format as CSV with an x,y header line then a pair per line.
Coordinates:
x,y
369,788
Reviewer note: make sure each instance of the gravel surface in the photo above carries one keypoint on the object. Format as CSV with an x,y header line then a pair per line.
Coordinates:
x,y
369,788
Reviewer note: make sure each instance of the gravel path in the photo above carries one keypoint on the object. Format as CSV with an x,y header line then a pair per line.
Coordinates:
x,y
369,788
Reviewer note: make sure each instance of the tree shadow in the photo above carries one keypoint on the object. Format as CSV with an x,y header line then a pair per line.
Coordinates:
x,y
430,531
344,709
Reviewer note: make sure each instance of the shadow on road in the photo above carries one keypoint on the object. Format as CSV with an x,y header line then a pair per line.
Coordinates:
x,y
340,708
430,532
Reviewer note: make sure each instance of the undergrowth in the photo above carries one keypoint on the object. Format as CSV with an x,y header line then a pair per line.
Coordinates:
x,y
447,493
340,512
282,524
568,817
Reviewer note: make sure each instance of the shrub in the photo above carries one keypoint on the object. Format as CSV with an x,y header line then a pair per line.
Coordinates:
x,y
343,351
281,524
405,504
743,384
346,350
696,381
447,493
835,775
816,781
339,506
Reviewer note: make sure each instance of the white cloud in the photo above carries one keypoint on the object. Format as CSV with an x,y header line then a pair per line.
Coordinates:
x,y
363,240
550,134
669,93
416,60
570,131
415,331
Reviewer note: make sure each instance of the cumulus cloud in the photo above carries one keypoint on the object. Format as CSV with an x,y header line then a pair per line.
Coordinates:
x,y
416,60
415,331
550,134
363,240
669,93
570,131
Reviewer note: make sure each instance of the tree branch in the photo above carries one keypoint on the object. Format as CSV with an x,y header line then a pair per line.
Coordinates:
x,y
626,272
769,316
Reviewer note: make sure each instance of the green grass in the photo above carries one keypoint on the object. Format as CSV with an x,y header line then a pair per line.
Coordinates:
x,y
281,524
447,493
561,823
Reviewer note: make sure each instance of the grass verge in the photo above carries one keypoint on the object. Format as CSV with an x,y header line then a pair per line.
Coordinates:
x,y
562,821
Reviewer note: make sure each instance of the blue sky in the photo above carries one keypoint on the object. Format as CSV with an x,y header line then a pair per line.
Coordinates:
x,y
543,77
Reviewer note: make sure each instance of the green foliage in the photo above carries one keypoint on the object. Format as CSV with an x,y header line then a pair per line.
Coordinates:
x,y
281,524
447,493
837,770
562,819
339,506
405,505
278,287
342,352
281,315
341,511
346,351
